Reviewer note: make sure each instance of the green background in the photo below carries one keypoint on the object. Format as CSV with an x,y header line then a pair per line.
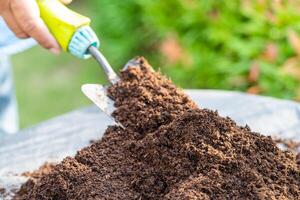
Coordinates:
x,y
243,45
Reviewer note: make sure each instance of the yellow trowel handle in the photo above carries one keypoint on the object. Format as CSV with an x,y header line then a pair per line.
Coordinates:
x,y
61,21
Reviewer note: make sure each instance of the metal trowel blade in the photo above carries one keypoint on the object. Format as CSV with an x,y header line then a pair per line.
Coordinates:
x,y
98,95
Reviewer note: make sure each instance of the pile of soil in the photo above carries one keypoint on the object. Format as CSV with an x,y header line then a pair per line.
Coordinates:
x,y
170,149
33,178
45,169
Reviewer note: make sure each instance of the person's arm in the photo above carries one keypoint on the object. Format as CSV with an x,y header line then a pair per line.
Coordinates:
x,y
23,18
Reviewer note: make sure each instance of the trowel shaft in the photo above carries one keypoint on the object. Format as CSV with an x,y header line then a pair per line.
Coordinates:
x,y
110,74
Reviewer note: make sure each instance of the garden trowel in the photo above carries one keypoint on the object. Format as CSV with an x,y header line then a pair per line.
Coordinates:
x,y
98,93
74,34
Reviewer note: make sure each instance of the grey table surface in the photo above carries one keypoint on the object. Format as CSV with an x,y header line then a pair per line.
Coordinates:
x,y
62,136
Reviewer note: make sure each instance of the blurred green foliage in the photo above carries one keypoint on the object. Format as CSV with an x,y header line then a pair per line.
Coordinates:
x,y
235,45
246,45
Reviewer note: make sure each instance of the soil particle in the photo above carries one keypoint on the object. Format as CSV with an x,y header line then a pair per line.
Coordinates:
x,y
170,149
290,145
2,192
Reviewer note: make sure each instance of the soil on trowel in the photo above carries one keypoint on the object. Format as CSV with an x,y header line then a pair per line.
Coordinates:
x,y
170,149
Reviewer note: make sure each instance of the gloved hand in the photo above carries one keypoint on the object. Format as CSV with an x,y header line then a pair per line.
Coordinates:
x,y
23,18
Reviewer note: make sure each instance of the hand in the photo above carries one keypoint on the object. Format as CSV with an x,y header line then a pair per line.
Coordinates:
x,y
23,18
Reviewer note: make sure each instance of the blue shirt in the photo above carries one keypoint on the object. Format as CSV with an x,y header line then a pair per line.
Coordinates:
x,y
9,43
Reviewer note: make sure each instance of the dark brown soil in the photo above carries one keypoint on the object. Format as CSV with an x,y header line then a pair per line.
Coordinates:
x,y
43,170
34,177
146,100
170,149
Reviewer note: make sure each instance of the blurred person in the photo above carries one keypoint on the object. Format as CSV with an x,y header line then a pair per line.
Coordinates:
x,y
20,19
